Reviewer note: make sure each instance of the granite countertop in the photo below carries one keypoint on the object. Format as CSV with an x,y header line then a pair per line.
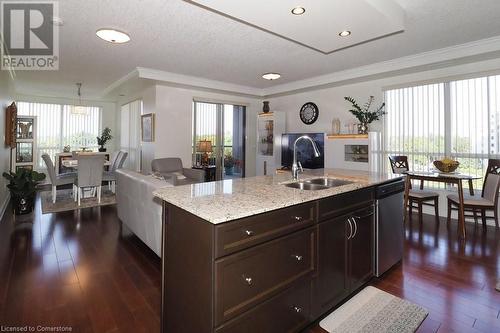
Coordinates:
x,y
226,200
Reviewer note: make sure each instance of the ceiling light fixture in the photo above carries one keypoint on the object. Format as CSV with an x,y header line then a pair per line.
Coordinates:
x,y
344,33
113,36
298,10
79,109
271,76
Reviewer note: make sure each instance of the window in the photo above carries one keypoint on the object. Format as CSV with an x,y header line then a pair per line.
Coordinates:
x,y
459,119
223,125
59,126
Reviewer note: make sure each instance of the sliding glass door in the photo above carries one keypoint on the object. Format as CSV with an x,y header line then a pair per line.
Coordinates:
x,y
222,126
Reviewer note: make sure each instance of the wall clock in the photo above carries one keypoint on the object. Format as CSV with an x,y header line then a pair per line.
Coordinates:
x,y
309,113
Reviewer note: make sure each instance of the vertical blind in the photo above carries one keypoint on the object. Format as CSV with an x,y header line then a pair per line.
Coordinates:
x,y
57,127
458,119
130,140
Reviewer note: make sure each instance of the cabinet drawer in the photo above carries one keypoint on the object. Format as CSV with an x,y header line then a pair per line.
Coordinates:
x,y
287,312
238,235
249,277
343,203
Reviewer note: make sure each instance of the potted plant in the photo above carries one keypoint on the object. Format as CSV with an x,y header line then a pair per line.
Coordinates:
x,y
229,164
105,137
364,115
22,187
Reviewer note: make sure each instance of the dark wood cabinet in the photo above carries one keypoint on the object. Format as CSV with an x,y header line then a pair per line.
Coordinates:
x,y
345,251
273,272
361,247
331,285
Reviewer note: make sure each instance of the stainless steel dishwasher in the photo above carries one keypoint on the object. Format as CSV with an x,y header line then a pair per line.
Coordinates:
x,y
389,226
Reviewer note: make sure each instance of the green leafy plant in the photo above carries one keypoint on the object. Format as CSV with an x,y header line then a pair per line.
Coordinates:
x,y
22,187
229,161
363,114
105,137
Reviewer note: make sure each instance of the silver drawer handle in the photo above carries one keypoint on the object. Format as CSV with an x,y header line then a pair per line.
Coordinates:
x,y
297,309
297,257
249,232
248,280
298,218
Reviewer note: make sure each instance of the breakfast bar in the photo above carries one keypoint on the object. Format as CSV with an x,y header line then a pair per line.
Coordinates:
x,y
267,254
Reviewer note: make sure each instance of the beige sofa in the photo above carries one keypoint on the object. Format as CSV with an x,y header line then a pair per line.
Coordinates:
x,y
138,209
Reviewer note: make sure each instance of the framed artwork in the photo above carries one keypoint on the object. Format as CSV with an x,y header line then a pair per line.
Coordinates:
x,y
10,125
148,127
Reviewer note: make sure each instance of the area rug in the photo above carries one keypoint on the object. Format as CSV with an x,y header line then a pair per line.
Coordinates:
x,y
375,311
66,202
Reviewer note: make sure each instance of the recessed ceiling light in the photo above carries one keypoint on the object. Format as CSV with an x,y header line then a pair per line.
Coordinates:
x,y
298,10
57,21
344,33
271,76
113,36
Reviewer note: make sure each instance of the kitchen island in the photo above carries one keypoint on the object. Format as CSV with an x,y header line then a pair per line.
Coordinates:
x,y
256,255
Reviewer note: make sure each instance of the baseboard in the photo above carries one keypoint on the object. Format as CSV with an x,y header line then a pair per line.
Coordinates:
x,y
4,205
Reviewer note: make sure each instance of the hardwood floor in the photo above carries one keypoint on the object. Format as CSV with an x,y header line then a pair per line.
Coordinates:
x,y
76,269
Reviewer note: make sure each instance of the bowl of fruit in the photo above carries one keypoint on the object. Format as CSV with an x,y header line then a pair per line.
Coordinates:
x,y
446,165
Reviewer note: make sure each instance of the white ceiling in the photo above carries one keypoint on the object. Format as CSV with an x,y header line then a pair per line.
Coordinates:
x,y
320,25
179,37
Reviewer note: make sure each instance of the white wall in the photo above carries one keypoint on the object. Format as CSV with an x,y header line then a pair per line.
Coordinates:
x,y
331,102
173,108
108,113
5,100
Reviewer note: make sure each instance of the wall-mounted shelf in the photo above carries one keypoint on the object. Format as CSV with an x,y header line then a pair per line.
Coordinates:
x,y
347,136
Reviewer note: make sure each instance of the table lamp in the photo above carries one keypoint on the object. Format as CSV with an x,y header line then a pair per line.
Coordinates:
x,y
205,147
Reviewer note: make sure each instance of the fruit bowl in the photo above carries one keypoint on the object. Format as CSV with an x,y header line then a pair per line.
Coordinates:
x,y
446,165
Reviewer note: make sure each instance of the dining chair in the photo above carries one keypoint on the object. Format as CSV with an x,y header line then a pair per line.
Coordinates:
x,y
89,175
57,180
417,198
110,176
488,201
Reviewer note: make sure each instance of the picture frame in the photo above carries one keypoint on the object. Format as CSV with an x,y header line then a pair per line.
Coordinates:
x,y
148,127
11,125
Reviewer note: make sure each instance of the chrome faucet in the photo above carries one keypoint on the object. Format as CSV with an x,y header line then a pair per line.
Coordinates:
x,y
296,166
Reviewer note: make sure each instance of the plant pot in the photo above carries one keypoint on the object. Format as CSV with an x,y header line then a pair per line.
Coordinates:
x,y
23,205
102,150
362,128
229,170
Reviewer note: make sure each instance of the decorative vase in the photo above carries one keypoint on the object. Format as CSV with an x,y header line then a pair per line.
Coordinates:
x,y
229,171
102,150
363,128
265,107
23,204
336,126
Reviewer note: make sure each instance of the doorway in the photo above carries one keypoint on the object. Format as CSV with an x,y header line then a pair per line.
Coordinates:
x,y
219,139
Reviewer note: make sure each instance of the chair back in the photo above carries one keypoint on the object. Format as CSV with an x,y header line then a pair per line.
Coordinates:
x,y
399,164
115,161
491,183
50,168
166,165
90,170
123,157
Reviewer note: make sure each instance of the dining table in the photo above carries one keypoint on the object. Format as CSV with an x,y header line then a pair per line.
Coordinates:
x,y
70,163
448,178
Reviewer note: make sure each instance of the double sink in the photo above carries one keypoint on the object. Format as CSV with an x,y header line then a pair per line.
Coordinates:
x,y
318,184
